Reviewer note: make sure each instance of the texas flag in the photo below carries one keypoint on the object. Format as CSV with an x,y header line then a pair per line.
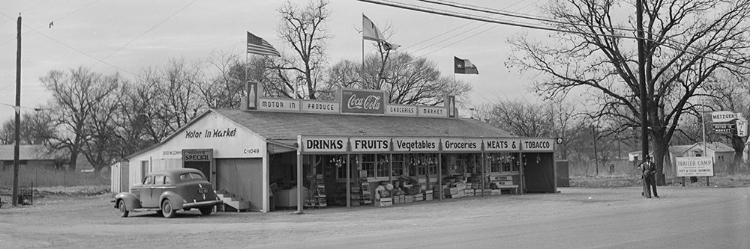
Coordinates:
x,y
463,66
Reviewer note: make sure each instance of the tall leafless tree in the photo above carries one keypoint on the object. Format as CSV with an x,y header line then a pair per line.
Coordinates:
x,y
686,42
303,28
75,97
408,80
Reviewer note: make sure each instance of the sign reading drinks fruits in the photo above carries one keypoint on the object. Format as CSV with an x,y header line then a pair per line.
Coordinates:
x,y
362,101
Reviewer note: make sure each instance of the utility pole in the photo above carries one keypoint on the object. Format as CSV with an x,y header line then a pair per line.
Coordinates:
x,y
642,78
596,154
17,110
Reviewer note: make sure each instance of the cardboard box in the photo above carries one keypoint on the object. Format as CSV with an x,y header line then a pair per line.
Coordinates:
x,y
496,192
487,192
428,198
384,202
419,197
408,198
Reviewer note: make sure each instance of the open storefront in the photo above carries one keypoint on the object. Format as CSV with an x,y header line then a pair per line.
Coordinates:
x,y
285,153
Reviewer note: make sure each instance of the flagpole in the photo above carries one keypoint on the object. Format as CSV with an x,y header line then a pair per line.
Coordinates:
x,y
363,56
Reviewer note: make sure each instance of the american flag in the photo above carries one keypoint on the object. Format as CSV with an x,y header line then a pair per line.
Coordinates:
x,y
256,45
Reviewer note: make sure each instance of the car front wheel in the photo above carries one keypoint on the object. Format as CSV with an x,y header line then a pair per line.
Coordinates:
x,y
206,211
123,209
166,209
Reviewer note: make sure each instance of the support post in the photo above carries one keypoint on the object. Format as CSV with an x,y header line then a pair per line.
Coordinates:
x,y
300,200
17,109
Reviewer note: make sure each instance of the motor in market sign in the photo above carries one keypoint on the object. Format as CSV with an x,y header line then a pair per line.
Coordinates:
x,y
694,166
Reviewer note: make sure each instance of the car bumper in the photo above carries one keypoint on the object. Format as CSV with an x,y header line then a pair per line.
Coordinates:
x,y
195,204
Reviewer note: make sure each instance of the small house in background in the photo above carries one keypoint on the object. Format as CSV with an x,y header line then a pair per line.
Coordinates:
x,y
635,157
722,154
37,155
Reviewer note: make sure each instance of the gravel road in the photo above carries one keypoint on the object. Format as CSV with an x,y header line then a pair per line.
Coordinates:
x,y
575,217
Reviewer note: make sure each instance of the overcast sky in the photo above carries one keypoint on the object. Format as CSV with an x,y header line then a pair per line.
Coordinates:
x,y
128,36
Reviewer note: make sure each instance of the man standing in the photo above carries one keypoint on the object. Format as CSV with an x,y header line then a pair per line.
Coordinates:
x,y
648,170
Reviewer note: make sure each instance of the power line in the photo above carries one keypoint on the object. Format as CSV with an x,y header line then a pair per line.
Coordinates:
x,y
509,14
531,26
149,30
441,34
443,40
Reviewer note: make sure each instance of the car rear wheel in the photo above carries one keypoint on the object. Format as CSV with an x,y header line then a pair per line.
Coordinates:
x,y
206,210
123,210
166,209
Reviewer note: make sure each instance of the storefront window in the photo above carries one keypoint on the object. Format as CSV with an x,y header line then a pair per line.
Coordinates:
x,y
368,164
339,162
398,164
502,162
383,166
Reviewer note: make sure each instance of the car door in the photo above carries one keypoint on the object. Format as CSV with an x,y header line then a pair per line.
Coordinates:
x,y
157,189
146,189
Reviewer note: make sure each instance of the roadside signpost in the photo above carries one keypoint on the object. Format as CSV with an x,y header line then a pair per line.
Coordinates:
x,y
694,166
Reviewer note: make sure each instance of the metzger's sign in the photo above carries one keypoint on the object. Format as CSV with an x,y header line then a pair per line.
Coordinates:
x,y
362,101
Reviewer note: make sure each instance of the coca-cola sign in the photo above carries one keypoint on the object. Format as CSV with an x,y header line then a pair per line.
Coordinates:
x,y
362,101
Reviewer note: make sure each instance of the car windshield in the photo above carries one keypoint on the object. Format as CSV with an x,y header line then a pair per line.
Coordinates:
x,y
188,176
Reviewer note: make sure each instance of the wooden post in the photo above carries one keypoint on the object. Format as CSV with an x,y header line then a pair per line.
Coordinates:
x,y
299,175
348,181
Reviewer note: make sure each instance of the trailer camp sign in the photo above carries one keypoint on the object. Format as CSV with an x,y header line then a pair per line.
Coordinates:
x,y
694,166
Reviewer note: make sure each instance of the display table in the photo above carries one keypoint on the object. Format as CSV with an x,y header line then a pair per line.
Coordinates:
x,y
288,198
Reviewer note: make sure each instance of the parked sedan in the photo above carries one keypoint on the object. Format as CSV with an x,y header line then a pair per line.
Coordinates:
x,y
168,191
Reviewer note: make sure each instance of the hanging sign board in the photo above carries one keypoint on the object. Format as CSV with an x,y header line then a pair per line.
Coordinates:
x,y
461,144
362,101
285,105
370,144
741,127
314,106
725,128
197,155
723,116
502,144
416,144
537,144
429,111
314,144
694,166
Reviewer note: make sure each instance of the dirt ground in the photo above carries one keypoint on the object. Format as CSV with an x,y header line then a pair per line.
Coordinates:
x,y
61,221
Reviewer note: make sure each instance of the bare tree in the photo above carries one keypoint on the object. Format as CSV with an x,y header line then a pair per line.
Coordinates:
x,y
36,128
104,148
686,42
304,30
75,97
408,80
178,85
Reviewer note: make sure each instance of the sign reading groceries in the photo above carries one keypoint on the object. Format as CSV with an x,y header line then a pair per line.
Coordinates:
x,y
362,101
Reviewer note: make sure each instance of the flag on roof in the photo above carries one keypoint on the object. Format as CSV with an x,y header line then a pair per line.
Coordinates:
x,y
464,66
256,45
369,31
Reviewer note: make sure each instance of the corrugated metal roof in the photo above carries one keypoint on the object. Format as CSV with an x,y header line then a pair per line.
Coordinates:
x,y
283,126
26,152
